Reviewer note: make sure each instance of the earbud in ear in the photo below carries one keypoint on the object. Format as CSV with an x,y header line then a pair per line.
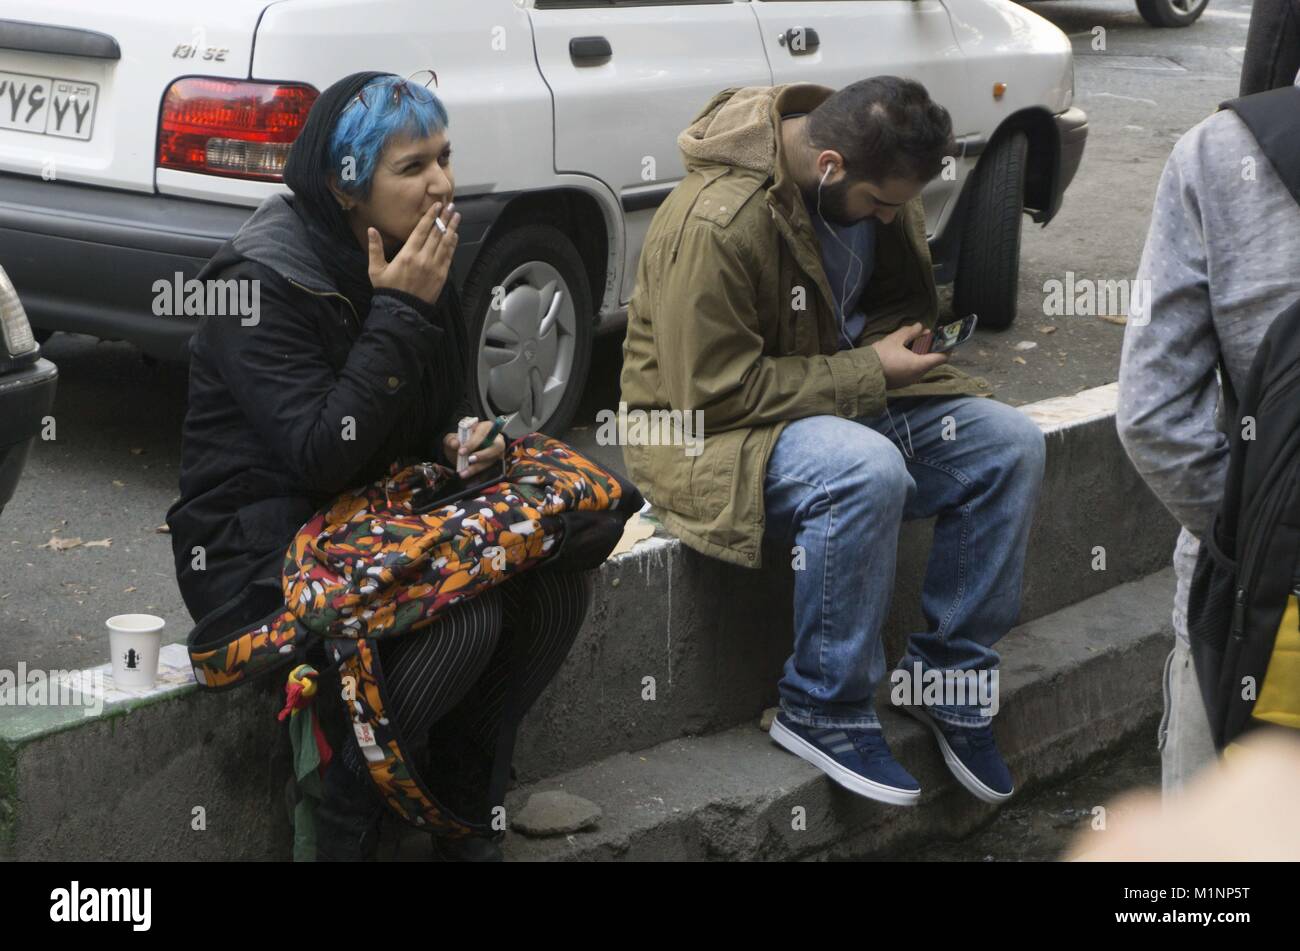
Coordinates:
x,y
826,174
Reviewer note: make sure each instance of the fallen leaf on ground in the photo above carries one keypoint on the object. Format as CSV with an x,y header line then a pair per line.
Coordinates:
x,y
119,483
61,544
128,590
1114,319
102,543
1047,330
1025,345
163,529
1019,359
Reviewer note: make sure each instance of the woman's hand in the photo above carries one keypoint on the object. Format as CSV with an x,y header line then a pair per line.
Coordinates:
x,y
479,459
422,265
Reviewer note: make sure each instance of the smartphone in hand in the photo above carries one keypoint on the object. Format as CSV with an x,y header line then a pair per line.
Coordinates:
x,y
945,336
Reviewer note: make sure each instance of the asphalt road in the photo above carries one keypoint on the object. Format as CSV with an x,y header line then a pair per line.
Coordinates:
x,y
1042,823
111,473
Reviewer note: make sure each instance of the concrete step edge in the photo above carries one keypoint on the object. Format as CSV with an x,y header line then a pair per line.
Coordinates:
x,y
1074,684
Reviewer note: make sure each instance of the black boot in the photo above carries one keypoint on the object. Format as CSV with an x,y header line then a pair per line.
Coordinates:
x,y
460,781
470,848
349,816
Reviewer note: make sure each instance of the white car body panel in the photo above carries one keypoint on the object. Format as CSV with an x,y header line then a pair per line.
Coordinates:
x,y
619,120
524,116
121,151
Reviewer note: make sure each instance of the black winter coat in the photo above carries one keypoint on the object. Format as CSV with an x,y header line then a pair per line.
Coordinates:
x,y
266,435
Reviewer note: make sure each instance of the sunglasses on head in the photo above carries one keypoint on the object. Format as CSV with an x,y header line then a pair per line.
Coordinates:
x,y
391,91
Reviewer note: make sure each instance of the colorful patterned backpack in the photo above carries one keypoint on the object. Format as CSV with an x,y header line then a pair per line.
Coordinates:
x,y
378,563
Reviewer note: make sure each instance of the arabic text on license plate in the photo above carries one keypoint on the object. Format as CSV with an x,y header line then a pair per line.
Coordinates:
x,y
47,105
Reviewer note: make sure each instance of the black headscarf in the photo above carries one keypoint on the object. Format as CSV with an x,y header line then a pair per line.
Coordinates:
x,y
307,173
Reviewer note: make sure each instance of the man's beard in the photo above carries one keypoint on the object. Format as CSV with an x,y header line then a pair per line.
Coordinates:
x,y
834,203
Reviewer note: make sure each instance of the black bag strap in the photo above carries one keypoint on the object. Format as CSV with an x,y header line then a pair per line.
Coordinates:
x,y
1273,118
509,727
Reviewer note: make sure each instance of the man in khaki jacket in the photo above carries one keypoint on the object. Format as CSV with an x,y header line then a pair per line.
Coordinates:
x,y
778,289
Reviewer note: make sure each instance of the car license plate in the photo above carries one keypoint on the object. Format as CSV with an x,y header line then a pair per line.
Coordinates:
x,y
47,105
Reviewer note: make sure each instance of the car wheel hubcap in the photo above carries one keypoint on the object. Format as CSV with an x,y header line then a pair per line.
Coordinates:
x,y
526,349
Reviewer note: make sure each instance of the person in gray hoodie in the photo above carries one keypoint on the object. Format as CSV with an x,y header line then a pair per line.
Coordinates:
x,y
1220,262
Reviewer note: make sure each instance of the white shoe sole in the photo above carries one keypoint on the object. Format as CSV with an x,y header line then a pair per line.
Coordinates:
x,y
850,780
955,765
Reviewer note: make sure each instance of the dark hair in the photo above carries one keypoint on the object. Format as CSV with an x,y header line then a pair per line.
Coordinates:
x,y
885,127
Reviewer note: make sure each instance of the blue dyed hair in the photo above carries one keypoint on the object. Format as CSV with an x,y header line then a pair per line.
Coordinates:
x,y
364,130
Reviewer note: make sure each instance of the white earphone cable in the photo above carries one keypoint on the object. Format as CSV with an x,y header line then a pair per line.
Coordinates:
x,y
844,285
844,290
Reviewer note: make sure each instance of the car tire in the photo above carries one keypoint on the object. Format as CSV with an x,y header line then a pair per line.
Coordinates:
x,y
41,334
1171,12
988,265
532,344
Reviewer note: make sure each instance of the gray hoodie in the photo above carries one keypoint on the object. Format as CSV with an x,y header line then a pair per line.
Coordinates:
x,y
1223,259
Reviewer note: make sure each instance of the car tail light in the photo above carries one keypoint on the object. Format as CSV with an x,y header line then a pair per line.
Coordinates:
x,y
231,127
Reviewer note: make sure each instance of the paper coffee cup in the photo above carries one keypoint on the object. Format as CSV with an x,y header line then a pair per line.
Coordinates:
x,y
134,641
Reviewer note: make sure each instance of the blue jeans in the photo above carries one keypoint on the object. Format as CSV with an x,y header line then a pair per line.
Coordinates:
x,y
840,489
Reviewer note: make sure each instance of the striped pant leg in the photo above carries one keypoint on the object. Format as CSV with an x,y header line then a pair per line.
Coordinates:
x,y
427,672
546,609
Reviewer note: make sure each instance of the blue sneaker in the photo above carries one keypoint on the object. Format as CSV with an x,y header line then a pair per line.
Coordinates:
x,y
858,760
972,756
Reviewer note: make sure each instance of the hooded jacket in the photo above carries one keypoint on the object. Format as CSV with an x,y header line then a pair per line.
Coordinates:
x,y
732,315
286,412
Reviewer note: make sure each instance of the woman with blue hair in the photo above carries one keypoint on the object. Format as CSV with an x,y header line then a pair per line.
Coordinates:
x,y
357,358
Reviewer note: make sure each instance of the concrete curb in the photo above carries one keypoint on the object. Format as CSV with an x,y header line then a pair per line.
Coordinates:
x,y
1073,684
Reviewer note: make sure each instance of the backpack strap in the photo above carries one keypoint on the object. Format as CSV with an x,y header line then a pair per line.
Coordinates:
x,y
509,727
1273,118
382,744
250,635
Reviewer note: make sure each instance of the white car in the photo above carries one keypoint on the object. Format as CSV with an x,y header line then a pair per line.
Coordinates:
x,y
136,137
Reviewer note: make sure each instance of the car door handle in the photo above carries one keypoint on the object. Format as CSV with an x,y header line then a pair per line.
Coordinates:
x,y
799,40
589,50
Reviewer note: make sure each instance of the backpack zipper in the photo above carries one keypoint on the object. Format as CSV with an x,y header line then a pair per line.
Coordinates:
x,y
1238,614
1274,500
345,300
